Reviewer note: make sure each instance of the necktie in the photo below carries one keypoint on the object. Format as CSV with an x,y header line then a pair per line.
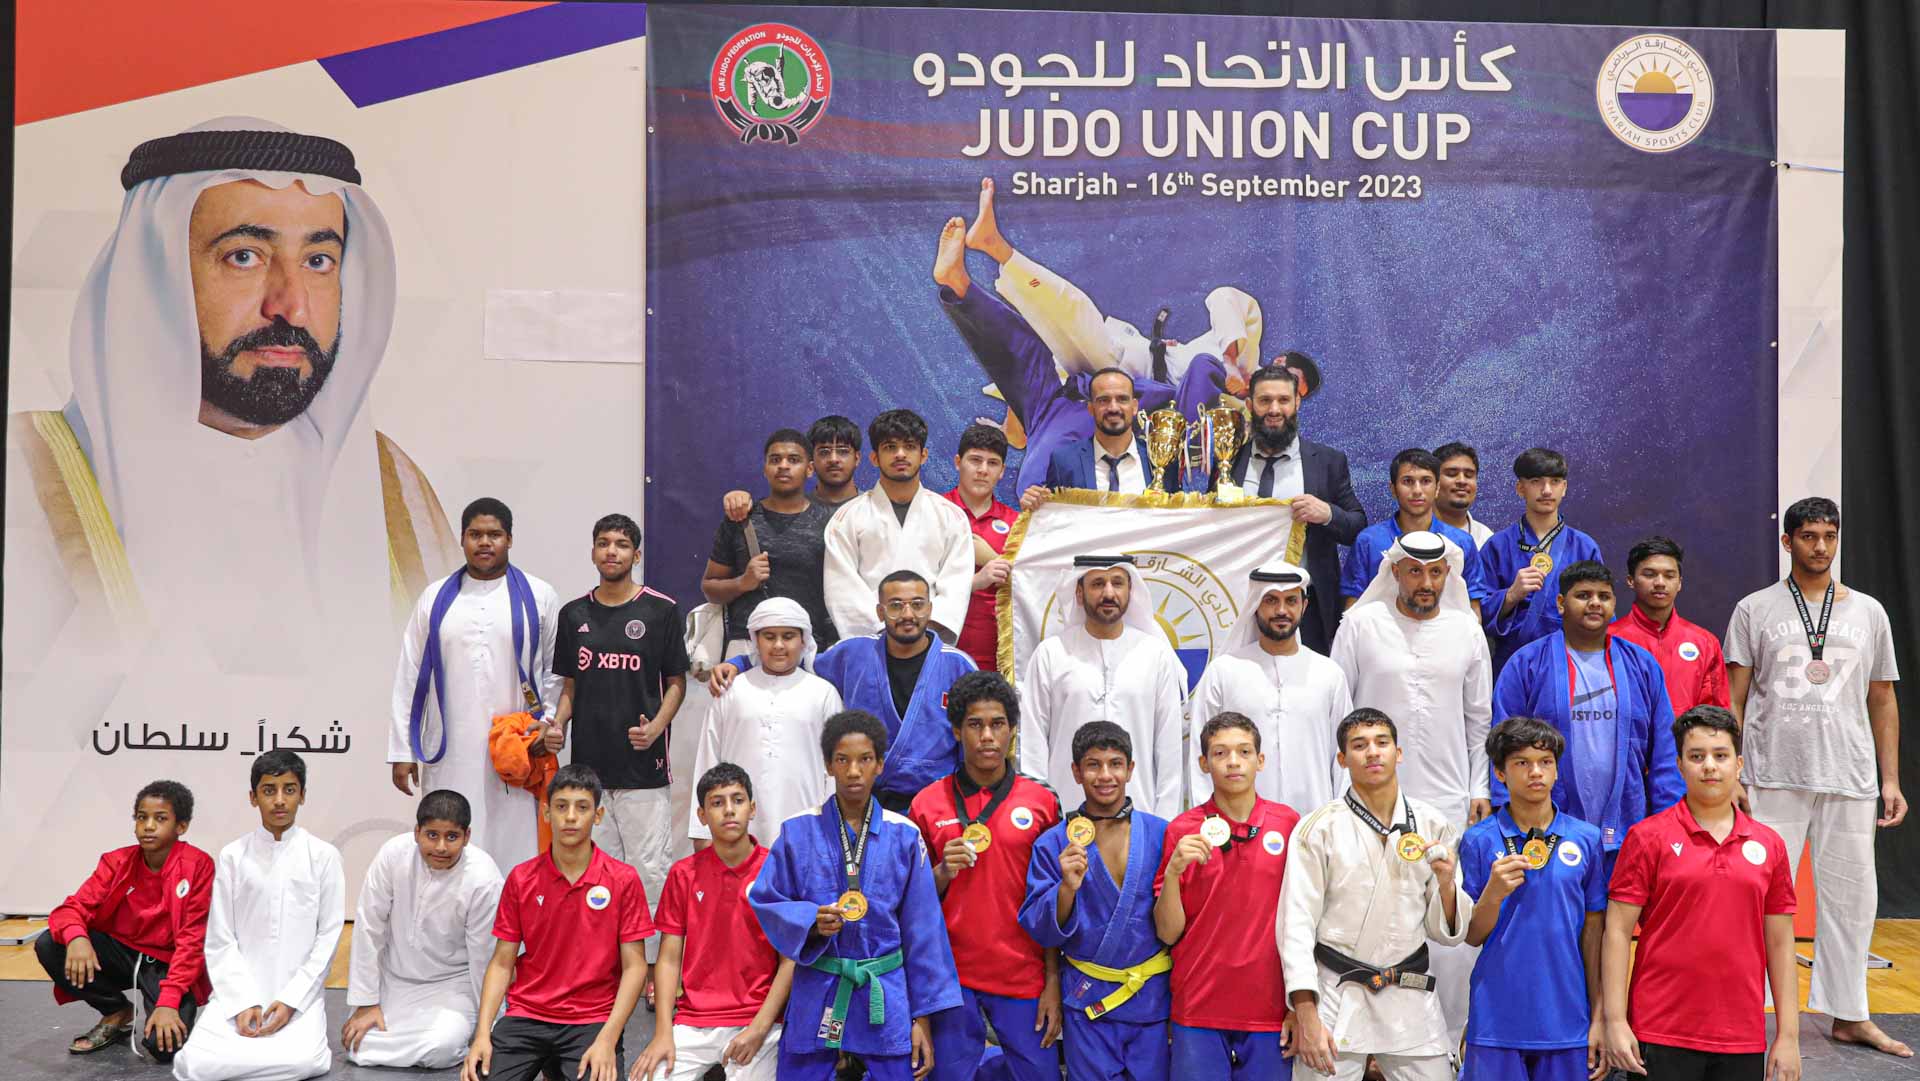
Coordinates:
x,y
1113,472
1266,477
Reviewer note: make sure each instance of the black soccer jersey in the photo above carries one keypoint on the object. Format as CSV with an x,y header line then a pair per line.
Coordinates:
x,y
617,658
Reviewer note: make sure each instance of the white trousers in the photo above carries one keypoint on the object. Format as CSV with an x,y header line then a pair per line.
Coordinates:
x,y
1846,892
638,830
217,1052
1395,1067
1452,966
429,1025
688,728
695,1050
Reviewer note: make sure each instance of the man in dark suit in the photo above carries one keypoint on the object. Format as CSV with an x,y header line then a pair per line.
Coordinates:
x,y
1276,462
1115,458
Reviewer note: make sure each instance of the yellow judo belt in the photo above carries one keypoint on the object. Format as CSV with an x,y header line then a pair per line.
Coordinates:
x,y
1130,979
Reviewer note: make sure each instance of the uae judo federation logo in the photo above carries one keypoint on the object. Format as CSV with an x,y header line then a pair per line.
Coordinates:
x,y
1655,93
771,82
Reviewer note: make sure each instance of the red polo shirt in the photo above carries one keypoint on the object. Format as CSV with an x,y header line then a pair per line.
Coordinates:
x,y
727,964
990,950
569,972
1702,924
980,635
1689,656
1226,967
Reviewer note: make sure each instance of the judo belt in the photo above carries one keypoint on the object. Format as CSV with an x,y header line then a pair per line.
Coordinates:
x,y
855,973
526,648
1131,979
1410,973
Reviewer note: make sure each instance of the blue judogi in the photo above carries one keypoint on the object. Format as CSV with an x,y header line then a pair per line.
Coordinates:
x,y
1110,925
920,746
1363,559
804,871
1539,615
1646,774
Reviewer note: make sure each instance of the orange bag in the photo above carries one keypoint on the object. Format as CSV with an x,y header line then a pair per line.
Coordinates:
x,y
509,744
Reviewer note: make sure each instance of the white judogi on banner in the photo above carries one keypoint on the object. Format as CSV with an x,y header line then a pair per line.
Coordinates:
x,y
278,907
1349,889
482,682
1082,339
770,726
1136,681
421,942
1296,701
866,542
1434,677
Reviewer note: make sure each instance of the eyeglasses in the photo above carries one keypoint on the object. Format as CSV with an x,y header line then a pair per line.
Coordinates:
x,y
918,606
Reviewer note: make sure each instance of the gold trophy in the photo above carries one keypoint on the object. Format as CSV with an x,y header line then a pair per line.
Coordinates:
x,y
1228,428
1166,437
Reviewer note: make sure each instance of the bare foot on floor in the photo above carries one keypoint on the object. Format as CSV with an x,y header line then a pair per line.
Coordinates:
x,y
950,262
983,235
1868,1034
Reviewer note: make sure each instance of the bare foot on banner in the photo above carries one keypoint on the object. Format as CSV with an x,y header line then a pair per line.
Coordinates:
x,y
950,262
983,235
1868,1034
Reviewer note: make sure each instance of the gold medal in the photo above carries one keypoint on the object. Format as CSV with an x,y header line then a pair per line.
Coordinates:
x,y
1543,562
1080,831
852,905
978,837
1411,847
1215,831
1536,852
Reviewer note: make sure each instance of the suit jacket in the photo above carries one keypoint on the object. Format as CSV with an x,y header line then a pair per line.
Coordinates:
x,y
1072,466
1325,475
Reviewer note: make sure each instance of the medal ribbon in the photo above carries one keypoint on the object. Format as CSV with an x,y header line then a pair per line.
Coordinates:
x,y
1234,838
1125,813
1001,791
1545,544
1816,637
1514,844
1380,827
852,856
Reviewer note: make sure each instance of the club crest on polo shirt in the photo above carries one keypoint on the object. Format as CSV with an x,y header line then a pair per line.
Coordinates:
x,y
180,888
1022,818
636,630
1274,842
1755,852
1570,854
1000,526
1688,651
599,897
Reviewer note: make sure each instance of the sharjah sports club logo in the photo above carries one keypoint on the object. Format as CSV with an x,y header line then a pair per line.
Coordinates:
x,y
1191,606
180,888
598,897
1755,852
1570,854
1022,818
1655,93
771,82
1274,842
1689,652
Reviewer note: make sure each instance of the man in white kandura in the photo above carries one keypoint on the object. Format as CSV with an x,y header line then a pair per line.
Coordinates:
x,y
1295,696
422,936
1412,649
479,646
898,525
770,720
1108,660
279,901
1371,880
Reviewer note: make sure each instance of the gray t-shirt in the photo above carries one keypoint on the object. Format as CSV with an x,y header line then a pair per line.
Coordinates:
x,y
1800,735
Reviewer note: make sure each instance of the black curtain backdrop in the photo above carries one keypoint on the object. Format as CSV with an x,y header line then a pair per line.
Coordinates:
x,y
1881,334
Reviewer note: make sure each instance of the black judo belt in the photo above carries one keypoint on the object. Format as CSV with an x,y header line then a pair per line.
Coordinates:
x,y
1410,973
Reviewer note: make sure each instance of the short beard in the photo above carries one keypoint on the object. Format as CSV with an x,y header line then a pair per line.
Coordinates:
x,y
1417,608
1271,635
271,395
1104,430
1274,443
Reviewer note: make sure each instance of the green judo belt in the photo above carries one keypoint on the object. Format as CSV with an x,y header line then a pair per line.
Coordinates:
x,y
854,973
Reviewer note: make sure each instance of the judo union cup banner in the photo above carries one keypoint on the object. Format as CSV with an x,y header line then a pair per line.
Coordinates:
x,y
245,406
1195,557
1510,235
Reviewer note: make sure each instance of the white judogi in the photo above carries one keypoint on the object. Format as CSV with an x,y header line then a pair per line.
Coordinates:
x,y
866,542
421,942
1136,681
1296,702
482,682
1081,339
278,907
1348,888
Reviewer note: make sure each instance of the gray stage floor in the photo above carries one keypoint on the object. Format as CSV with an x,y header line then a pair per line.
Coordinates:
x,y
34,1035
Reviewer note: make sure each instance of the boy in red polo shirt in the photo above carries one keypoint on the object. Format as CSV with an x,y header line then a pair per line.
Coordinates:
x,y
721,985
1712,891
582,917
1689,654
145,905
981,462
980,825
1219,894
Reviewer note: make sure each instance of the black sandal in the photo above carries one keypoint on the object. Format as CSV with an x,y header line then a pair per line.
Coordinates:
x,y
99,1037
